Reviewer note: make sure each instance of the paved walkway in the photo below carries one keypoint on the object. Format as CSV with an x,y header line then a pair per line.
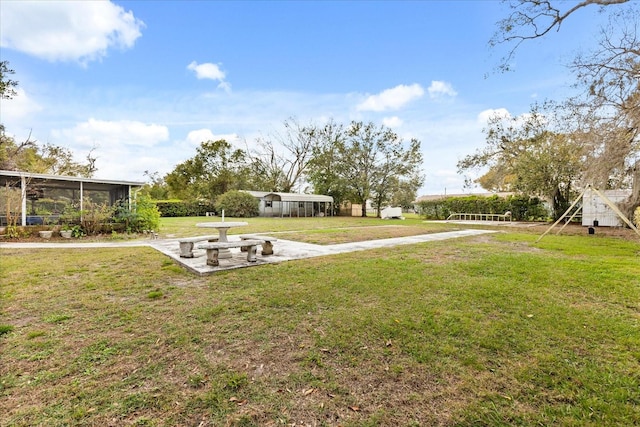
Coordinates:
x,y
284,250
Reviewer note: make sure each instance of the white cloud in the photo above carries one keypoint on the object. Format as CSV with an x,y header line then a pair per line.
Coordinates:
x,y
446,173
195,137
124,149
226,86
104,133
392,122
486,115
80,31
504,114
392,99
211,72
21,106
207,71
440,88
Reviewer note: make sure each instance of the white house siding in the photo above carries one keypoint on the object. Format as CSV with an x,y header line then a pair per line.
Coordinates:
x,y
596,209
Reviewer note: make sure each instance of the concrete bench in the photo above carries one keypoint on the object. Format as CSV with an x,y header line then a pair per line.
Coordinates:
x,y
213,249
267,245
186,244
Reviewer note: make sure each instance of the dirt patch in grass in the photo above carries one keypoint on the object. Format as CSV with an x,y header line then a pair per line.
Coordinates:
x,y
579,230
443,253
572,229
292,379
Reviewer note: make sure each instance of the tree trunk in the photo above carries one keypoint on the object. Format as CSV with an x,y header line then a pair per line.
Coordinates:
x,y
560,203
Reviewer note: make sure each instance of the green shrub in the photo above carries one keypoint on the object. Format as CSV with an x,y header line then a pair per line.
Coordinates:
x,y
77,231
238,204
94,216
180,208
70,216
147,214
16,232
143,215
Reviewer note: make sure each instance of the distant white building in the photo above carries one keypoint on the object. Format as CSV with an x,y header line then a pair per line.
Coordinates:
x,y
596,211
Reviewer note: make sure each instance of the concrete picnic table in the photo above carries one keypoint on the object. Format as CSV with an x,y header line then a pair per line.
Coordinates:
x,y
223,227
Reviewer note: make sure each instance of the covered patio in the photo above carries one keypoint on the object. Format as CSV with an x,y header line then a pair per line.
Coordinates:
x,y
36,198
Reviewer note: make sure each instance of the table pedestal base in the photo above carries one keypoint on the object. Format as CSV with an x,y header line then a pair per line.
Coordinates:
x,y
224,254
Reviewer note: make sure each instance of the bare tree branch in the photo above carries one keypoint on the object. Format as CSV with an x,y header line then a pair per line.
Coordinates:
x,y
533,19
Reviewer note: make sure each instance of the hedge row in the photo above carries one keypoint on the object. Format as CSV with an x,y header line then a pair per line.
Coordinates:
x,y
174,208
522,208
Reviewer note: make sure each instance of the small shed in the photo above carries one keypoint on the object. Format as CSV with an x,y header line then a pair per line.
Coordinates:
x,y
596,211
58,191
354,209
274,204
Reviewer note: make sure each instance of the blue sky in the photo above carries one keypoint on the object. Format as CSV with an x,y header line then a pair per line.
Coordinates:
x,y
144,82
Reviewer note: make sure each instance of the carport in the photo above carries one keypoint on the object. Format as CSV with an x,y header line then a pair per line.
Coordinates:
x,y
296,205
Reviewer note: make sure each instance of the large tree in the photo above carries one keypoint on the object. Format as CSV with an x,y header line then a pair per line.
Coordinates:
x,y
406,191
215,169
16,156
155,187
524,154
13,156
605,117
324,167
609,106
532,19
367,162
280,162
397,171
30,156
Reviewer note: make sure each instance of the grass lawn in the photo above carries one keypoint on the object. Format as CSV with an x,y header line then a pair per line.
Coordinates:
x,y
485,331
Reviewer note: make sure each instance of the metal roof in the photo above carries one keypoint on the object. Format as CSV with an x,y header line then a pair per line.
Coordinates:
x,y
61,181
296,197
290,197
258,194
